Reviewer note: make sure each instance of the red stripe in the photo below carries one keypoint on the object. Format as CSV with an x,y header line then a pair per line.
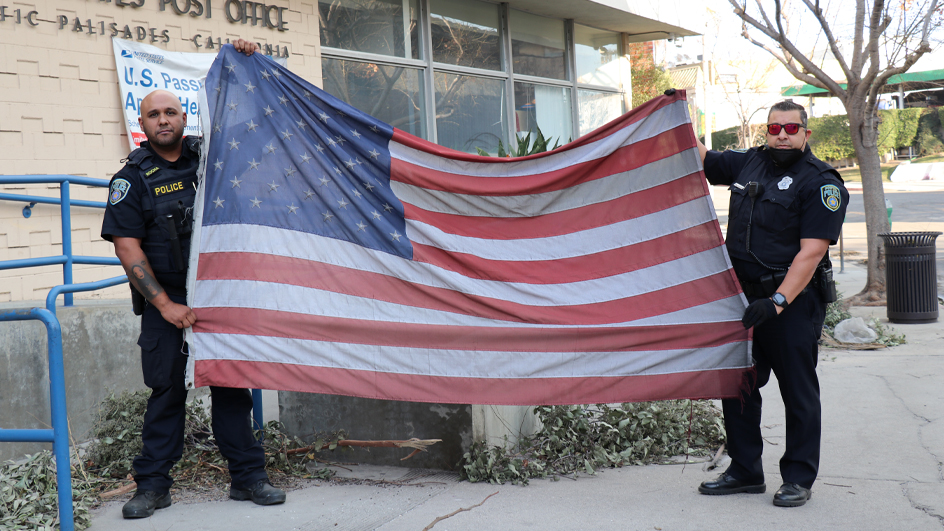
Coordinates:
x,y
624,159
275,323
591,216
574,269
298,272
635,115
722,383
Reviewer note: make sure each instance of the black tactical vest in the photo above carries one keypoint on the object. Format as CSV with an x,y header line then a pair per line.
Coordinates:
x,y
168,214
775,223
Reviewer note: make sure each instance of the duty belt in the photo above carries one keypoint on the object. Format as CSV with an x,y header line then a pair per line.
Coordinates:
x,y
768,284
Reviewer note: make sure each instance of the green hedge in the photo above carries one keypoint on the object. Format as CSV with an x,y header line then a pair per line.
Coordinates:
x,y
923,128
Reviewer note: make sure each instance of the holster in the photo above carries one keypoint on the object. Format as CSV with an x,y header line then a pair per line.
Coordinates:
x,y
138,302
823,281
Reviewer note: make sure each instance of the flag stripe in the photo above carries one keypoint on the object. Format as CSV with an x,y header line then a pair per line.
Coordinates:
x,y
641,153
666,113
263,295
345,255
329,277
465,363
591,216
647,227
575,269
599,191
251,321
721,383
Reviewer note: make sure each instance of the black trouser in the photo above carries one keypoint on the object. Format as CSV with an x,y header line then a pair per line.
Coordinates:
x,y
164,364
786,344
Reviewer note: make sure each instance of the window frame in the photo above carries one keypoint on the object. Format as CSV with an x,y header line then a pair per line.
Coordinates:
x,y
430,68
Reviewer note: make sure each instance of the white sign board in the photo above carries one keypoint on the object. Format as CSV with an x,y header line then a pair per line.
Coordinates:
x,y
143,68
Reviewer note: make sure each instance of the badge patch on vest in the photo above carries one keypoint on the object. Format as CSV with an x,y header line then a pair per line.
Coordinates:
x,y
830,196
168,188
785,183
119,191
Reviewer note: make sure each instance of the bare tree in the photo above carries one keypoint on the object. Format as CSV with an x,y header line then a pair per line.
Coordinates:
x,y
743,83
886,39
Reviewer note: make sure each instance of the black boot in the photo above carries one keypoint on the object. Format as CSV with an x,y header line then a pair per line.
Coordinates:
x,y
792,495
144,503
727,484
261,493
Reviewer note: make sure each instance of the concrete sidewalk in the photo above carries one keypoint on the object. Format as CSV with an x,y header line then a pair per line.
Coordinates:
x,y
883,449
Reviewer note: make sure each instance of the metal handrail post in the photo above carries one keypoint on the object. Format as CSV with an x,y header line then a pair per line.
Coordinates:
x,y
66,215
74,288
60,418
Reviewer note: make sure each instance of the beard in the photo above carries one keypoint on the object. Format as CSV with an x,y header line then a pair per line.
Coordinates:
x,y
165,141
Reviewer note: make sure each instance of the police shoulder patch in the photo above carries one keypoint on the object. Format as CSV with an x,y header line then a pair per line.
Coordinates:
x,y
119,190
829,193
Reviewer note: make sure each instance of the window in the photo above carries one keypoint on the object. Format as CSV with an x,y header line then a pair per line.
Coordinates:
x,y
465,34
387,27
470,112
392,94
544,107
597,56
481,74
597,108
537,45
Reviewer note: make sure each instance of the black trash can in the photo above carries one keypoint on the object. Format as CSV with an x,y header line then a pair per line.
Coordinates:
x,y
911,276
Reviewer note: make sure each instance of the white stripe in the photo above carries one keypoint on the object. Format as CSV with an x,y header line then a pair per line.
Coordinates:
x,y
581,243
259,239
465,363
310,301
662,120
589,193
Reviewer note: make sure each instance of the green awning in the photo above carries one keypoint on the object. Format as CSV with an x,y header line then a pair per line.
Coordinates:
x,y
928,76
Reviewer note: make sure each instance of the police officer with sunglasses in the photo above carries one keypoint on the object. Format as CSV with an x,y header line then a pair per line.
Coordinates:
x,y
787,208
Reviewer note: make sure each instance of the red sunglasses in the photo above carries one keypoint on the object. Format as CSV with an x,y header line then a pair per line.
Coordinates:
x,y
791,129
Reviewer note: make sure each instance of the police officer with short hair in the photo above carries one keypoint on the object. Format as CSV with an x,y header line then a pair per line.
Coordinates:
x,y
148,217
787,208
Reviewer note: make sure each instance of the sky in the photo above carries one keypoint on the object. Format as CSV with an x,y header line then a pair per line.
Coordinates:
x,y
724,40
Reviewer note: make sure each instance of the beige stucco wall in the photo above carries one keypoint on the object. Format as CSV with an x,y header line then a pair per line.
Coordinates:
x,y
60,113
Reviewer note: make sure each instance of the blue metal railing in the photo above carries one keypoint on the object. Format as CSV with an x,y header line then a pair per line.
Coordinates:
x,y
59,434
65,202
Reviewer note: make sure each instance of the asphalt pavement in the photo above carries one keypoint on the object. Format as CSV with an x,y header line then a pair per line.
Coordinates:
x,y
882,468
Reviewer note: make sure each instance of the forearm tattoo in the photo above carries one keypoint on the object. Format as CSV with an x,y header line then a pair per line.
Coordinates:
x,y
144,280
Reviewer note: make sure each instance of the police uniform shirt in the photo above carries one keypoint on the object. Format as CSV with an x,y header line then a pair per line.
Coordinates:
x,y
806,200
124,211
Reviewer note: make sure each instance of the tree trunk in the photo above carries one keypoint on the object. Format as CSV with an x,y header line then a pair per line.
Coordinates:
x,y
863,127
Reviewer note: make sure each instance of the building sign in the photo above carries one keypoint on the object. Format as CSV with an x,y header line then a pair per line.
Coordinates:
x,y
234,11
143,68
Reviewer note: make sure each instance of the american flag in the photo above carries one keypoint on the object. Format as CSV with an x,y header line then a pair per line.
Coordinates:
x,y
339,255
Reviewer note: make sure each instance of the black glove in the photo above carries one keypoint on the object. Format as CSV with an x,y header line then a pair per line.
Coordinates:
x,y
758,312
669,92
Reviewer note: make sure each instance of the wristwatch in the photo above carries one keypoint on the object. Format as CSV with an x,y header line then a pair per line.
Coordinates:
x,y
779,300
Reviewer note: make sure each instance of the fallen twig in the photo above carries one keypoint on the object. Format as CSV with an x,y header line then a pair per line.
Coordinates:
x,y
713,464
837,485
457,511
124,489
414,452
